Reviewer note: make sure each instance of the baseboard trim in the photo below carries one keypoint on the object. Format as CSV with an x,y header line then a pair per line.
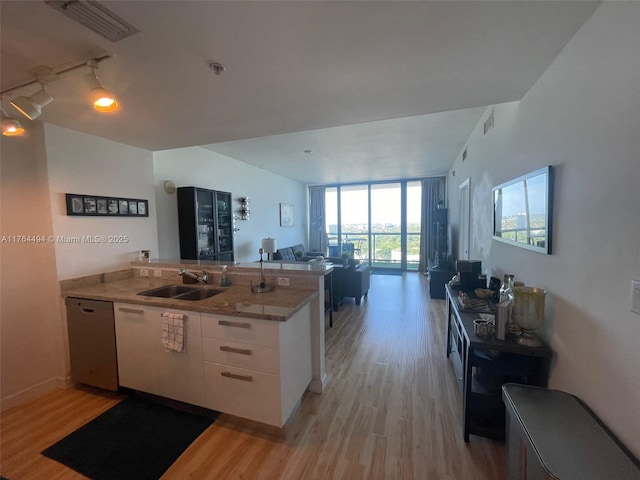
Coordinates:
x,y
32,392
317,386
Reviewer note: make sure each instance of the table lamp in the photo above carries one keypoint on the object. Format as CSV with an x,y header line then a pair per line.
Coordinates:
x,y
269,247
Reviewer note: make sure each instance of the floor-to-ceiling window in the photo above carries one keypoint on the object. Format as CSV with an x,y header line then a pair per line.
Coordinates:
x,y
377,222
414,220
386,225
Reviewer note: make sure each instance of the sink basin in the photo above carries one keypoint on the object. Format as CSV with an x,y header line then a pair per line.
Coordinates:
x,y
168,291
181,292
199,294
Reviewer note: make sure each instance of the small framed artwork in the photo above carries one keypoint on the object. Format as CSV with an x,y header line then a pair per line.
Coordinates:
x,y
286,215
92,205
101,206
77,205
89,205
112,206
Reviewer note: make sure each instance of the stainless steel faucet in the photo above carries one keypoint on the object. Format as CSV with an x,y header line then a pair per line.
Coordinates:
x,y
204,278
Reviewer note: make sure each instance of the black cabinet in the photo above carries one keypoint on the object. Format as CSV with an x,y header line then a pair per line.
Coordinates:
x,y
438,277
206,224
483,365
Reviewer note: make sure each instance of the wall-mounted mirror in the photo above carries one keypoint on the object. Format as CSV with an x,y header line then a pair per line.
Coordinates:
x,y
522,210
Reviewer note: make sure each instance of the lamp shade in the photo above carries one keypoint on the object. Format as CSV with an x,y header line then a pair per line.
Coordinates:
x,y
269,245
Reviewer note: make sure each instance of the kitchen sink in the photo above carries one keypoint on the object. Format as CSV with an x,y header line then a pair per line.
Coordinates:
x,y
181,292
199,294
168,291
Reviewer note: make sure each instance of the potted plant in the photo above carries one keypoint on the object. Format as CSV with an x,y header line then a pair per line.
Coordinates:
x,y
345,257
298,254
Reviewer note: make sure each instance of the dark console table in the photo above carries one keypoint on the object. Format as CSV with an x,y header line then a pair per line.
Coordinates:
x,y
483,365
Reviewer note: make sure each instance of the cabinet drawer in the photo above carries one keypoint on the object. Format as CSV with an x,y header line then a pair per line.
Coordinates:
x,y
244,393
244,355
245,330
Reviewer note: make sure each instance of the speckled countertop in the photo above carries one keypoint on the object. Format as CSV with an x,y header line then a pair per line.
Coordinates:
x,y
236,300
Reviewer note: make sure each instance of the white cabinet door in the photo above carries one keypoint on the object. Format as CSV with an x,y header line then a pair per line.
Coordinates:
x,y
180,374
145,365
138,345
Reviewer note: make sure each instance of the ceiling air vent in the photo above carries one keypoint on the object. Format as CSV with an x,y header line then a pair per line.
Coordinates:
x,y
95,17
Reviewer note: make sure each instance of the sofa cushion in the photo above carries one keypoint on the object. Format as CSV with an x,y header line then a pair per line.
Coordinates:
x,y
285,254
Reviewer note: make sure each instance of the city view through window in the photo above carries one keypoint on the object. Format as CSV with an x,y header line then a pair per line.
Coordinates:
x,y
368,220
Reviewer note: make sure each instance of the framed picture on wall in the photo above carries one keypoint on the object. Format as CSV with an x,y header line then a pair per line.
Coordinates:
x,y
286,215
90,205
77,205
98,206
112,206
101,206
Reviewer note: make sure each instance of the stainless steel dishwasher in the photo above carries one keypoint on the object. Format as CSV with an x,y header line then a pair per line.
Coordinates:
x,y
92,342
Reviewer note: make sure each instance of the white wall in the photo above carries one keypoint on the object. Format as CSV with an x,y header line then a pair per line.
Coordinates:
x,y
85,164
31,332
199,167
583,117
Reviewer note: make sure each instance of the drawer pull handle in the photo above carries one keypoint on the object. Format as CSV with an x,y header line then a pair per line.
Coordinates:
x,y
243,351
227,323
246,378
131,310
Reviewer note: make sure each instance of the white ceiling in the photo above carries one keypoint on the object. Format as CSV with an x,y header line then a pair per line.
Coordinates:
x,y
377,89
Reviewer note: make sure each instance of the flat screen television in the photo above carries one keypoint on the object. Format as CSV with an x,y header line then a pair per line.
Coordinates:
x,y
523,210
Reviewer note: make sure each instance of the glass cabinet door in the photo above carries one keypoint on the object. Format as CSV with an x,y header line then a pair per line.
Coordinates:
x,y
225,224
205,223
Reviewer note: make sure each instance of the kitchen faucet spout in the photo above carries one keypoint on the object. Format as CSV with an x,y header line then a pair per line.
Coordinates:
x,y
204,278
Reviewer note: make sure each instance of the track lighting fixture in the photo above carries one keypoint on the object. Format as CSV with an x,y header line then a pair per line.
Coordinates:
x,y
11,127
102,99
31,107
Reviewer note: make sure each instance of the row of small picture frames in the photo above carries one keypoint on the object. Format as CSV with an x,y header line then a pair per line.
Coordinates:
x,y
98,206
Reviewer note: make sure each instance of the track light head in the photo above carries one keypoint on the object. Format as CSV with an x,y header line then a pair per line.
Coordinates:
x,y
11,127
31,107
102,99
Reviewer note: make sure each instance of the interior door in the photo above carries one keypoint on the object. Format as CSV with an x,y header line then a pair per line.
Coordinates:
x,y
465,207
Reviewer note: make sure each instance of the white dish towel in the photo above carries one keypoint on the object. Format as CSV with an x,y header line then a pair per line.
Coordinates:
x,y
173,333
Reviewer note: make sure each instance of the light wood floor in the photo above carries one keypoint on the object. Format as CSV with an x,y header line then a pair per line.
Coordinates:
x,y
391,410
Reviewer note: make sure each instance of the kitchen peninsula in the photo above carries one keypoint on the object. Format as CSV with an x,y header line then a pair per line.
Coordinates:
x,y
248,354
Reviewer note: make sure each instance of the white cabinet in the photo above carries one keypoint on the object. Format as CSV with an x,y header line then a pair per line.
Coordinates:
x,y
145,365
256,369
